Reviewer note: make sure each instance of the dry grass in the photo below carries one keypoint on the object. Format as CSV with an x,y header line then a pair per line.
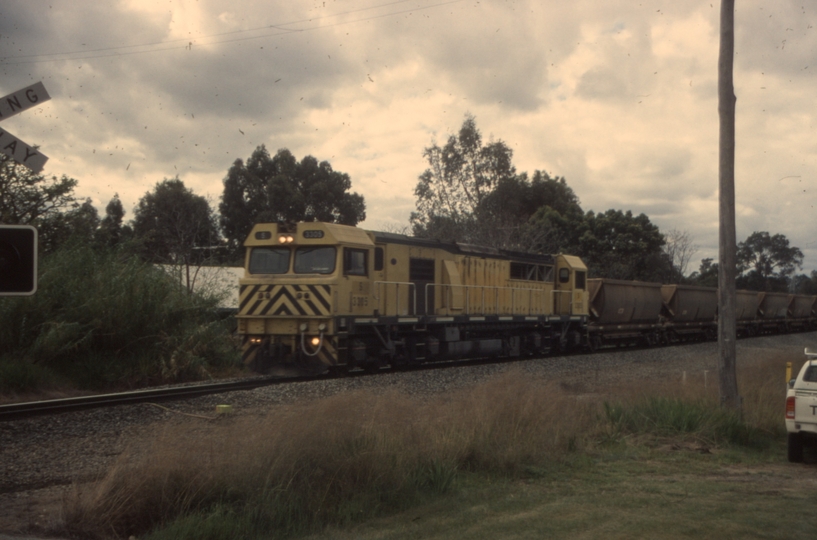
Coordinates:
x,y
334,460
345,458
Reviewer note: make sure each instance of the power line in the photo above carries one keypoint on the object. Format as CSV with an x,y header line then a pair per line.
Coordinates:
x,y
279,27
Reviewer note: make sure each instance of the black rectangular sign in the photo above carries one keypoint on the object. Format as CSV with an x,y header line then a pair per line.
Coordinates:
x,y
18,260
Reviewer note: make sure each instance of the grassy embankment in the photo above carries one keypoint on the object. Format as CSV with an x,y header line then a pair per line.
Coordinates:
x,y
103,320
514,457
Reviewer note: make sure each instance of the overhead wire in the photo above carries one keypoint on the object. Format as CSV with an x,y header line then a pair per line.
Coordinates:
x,y
120,50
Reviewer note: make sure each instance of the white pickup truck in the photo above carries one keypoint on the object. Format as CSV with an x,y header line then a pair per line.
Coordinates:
x,y
801,408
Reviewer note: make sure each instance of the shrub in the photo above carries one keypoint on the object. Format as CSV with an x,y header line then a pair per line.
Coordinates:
x,y
102,318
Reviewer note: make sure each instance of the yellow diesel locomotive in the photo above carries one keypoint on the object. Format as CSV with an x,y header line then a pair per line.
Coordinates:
x,y
321,296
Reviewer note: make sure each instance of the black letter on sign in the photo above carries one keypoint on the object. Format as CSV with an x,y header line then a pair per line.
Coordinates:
x,y
32,97
12,101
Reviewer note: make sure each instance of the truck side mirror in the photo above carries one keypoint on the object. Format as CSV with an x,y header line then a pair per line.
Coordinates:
x,y
18,260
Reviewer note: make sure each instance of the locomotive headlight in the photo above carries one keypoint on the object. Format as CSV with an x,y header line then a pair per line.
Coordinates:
x,y
290,239
255,340
322,327
304,326
315,341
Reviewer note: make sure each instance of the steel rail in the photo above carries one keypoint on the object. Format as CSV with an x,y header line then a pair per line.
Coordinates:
x,y
16,411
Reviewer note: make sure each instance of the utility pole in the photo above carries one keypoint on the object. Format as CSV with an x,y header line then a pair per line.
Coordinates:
x,y
727,327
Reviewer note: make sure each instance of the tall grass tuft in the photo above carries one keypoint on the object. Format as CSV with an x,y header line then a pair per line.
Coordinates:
x,y
664,416
338,460
102,319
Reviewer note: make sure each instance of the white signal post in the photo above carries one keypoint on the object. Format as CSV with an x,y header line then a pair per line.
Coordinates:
x,y
14,104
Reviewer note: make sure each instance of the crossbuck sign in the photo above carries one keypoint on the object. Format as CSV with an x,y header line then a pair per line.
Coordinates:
x,y
15,103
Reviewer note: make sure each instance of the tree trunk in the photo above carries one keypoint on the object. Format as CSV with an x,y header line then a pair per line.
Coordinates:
x,y
727,328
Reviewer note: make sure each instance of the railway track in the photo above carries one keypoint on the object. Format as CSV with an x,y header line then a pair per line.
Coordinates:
x,y
16,411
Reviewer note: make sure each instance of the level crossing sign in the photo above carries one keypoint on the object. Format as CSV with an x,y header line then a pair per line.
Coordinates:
x,y
13,104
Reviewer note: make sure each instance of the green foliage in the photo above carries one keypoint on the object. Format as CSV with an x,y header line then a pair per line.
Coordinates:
x,y
26,197
29,199
471,193
765,262
280,188
529,215
803,284
111,232
618,245
76,225
100,318
460,176
18,377
438,476
171,222
672,416
707,274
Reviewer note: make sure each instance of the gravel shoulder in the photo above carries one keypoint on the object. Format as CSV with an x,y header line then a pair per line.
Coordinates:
x,y
41,458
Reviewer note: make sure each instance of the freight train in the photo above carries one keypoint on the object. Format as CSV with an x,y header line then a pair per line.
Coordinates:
x,y
322,296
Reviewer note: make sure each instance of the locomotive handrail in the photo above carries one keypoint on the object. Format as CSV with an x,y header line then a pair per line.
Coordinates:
x,y
412,288
483,288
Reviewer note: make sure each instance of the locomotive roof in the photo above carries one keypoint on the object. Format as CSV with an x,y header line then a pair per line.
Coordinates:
x,y
462,248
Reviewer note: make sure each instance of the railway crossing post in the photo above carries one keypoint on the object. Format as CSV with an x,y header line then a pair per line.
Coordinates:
x,y
18,243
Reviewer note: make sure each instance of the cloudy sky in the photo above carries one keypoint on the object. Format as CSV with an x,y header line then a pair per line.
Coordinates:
x,y
617,96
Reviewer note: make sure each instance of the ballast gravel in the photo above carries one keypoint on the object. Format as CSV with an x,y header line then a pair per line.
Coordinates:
x,y
40,458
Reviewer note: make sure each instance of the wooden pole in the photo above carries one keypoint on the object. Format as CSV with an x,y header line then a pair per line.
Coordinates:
x,y
727,327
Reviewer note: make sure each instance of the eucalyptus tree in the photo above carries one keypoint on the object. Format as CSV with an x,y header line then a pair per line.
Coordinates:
x,y
280,188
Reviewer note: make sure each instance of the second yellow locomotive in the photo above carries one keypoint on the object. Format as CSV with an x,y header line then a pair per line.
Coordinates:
x,y
322,295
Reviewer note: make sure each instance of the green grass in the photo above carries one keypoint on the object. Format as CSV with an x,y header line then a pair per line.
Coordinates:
x,y
675,416
641,493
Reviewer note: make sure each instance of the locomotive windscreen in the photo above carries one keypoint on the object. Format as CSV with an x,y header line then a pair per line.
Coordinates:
x,y
269,260
315,260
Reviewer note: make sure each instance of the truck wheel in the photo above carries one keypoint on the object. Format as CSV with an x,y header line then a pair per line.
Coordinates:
x,y
795,446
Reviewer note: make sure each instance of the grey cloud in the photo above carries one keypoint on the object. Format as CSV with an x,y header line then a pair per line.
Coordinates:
x,y
777,38
602,83
490,57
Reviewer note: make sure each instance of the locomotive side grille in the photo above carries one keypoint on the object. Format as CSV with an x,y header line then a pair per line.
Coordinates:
x,y
303,300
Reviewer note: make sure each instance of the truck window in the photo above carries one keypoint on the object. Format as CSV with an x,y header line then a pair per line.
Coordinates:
x,y
264,260
315,260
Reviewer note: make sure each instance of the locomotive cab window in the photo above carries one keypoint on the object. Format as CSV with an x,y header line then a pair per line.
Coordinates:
x,y
354,262
264,260
378,259
315,260
580,279
564,275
